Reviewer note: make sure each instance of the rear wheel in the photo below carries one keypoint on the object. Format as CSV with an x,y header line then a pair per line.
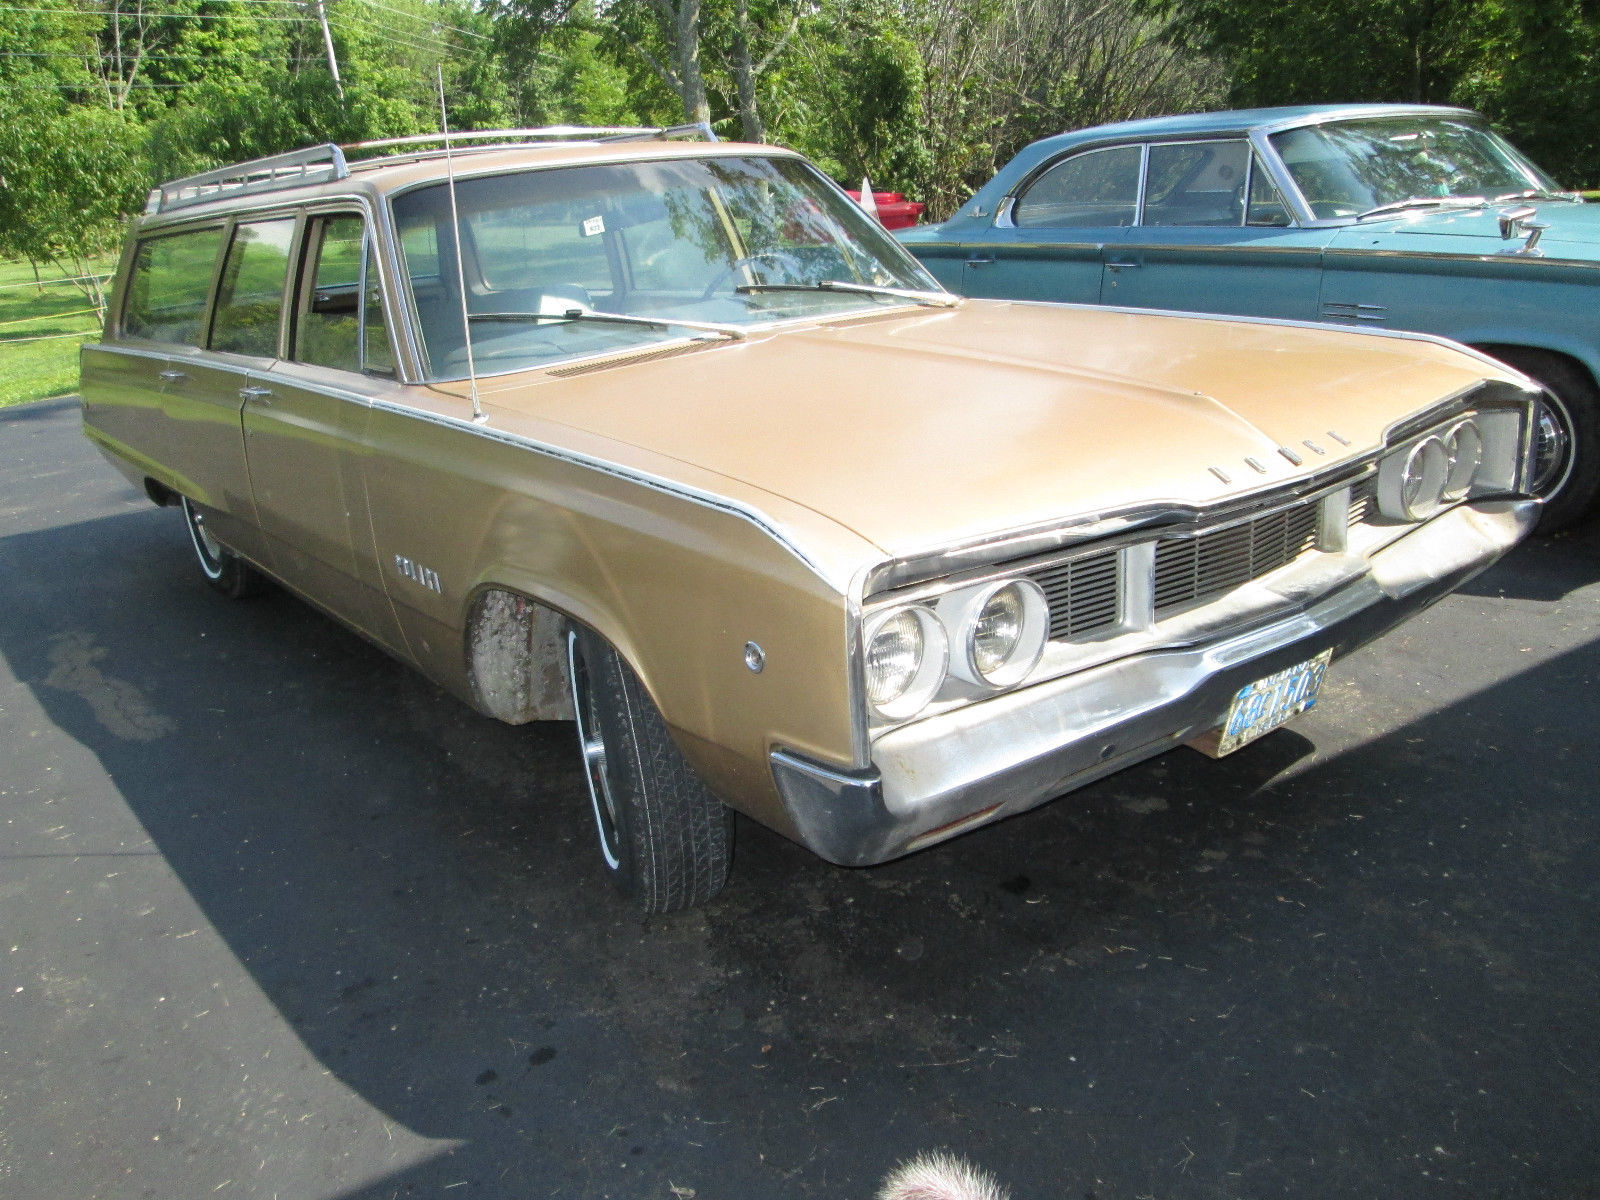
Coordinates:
x,y
664,839
223,569
1567,471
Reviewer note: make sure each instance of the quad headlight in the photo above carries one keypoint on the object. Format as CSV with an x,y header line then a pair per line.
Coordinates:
x,y
1463,447
1003,631
1418,480
907,656
979,638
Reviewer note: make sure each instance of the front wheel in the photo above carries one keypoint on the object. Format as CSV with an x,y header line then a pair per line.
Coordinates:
x,y
664,839
1567,430
223,569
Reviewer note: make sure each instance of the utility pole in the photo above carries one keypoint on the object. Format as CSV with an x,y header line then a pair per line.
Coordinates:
x,y
327,42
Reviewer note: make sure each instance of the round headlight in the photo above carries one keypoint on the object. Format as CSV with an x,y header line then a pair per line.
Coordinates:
x,y
1411,482
1463,447
1006,632
907,653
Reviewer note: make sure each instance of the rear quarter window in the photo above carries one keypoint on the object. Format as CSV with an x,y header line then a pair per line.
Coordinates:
x,y
168,285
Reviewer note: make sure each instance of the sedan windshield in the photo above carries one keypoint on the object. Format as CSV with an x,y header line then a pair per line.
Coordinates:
x,y
1351,168
577,261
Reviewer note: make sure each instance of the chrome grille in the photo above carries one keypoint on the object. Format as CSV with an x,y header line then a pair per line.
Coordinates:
x,y
1195,568
1082,592
1361,497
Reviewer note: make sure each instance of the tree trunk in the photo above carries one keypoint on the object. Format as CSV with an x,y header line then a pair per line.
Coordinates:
x,y
686,45
744,76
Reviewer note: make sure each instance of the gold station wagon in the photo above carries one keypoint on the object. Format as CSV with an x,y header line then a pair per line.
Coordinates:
x,y
667,436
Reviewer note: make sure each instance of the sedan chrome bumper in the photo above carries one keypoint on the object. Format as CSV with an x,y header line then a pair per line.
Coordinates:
x,y
935,778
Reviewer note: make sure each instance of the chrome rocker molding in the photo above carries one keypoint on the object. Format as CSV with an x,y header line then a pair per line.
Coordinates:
x,y
935,778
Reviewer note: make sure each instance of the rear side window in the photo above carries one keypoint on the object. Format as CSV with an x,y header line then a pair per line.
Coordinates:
x,y
168,286
250,299
1097,188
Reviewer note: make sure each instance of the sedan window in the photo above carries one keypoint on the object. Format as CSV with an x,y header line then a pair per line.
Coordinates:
x,y
1266,202
576,261
250,300
1347,168
168,285
1196,183
339,324
1097,188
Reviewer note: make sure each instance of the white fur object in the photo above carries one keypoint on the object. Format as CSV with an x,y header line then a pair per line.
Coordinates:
x,y
940,1176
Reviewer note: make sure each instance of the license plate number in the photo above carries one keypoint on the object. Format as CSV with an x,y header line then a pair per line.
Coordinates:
x,y
1260,707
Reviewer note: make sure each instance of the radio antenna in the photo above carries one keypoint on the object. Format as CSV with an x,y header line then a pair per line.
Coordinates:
x,y
478,416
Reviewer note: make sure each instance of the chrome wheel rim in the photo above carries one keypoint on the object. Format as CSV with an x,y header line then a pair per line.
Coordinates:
x,y
592,745
1552,435
206,548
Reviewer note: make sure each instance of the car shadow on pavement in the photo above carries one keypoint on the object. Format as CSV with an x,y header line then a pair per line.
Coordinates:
x,y
1293,970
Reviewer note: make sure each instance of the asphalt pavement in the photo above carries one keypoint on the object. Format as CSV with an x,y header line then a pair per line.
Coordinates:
x,y
280,919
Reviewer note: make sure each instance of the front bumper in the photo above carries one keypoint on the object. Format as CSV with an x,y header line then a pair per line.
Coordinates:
x,y
933,779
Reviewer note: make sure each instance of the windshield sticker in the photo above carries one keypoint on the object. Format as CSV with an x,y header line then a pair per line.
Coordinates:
x,y
593,226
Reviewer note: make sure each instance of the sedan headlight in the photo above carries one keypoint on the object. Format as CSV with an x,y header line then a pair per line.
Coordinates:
x,y
1412,481
1463,447
907,652
1004,628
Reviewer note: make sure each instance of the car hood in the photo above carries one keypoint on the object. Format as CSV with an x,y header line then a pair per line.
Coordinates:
x,y
1574,231
923,430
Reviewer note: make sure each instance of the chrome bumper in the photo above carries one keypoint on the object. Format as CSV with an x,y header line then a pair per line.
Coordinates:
x,y
933,779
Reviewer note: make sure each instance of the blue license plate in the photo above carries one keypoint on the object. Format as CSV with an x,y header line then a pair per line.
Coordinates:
x,y
1262,706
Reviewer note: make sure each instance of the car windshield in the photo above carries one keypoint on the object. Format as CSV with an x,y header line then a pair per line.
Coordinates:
x,y
1349,168
552,258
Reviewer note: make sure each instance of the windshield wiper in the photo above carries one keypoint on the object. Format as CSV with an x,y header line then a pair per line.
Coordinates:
x,y
1424,202
916,296
1537,194
732,332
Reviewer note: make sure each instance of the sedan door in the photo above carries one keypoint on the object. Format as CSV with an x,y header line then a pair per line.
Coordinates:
x,y
1214,236
1048,242
306,427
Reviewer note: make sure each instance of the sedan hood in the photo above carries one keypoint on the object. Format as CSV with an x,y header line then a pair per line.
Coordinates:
x,y
1574,231
921,430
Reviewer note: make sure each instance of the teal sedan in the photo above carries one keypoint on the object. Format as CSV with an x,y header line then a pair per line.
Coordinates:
x,y
1378,217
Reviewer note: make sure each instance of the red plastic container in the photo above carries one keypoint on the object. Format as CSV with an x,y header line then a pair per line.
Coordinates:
x,y
894,210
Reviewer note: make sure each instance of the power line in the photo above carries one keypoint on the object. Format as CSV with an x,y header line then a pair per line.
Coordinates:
x,y
436,24
157,16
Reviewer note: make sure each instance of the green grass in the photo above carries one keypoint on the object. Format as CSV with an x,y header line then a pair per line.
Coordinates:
x,y
34,370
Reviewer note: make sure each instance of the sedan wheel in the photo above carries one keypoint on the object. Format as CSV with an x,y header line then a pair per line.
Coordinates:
x,y
1567,436
223,569
664,839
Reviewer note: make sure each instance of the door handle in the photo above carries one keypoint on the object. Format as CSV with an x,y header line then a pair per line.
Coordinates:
x,y
172,376
255,393
1115,264
980,260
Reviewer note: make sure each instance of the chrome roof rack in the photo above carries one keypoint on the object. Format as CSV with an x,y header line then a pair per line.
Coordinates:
x,y
327,163
507,138
314,164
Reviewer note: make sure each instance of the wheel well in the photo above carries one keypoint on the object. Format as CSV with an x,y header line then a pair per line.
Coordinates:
x,y
1541,364
516,659
160,494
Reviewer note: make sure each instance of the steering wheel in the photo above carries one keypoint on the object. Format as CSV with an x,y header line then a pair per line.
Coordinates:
x,y
791,265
